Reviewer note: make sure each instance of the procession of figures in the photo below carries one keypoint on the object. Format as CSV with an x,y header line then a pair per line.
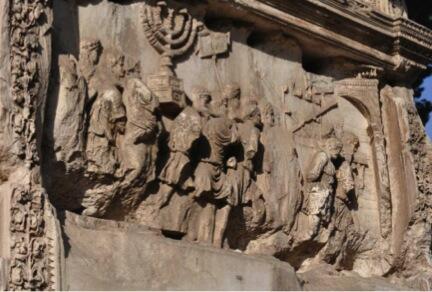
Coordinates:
x,y
216,126
200,169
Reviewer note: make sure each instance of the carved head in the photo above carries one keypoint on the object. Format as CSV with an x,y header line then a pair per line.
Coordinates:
x,y
249,137
218,106
231,96
68,72
350,146
232,163
251,113
38,10
201,99
145,97
333,147
118,112
115,62
267,114
90,50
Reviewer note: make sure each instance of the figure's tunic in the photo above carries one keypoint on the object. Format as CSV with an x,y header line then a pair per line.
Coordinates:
x,y
218,134
100,151
320,186
139,148
185,131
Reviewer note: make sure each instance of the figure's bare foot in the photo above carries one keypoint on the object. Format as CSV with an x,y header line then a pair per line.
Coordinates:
x,y
91,211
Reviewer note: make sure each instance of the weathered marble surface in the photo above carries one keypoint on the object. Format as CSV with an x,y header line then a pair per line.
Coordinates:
x,y
144,260
175,265
324,278
278,130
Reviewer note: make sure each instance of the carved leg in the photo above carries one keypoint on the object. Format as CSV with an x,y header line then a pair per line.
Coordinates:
x,y
308,228
207,224
221,223
164,195
258,209
193,224
96,201
272,206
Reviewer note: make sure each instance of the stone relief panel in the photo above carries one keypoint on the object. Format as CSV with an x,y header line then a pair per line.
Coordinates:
x,y
216,134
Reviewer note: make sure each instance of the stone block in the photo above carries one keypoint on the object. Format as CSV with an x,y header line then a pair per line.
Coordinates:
x,y
107,255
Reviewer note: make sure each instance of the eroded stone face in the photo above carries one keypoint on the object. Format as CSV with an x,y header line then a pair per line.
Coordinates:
x,y
188,119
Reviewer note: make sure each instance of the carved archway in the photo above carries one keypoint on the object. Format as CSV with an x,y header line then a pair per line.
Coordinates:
x,y
364,95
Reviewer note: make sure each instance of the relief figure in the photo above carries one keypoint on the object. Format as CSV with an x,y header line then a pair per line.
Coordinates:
x,y
319,188
249,136
139,144
186,130
176,176
346,237
107,118
90,51
70,118
106,125
218,134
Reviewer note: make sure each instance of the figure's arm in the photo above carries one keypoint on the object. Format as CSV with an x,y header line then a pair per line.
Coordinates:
x,y
186,130
98,119
345,181
348,179
316,166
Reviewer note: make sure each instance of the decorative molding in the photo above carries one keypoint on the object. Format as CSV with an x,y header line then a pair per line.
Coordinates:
x,y
401,41
31,253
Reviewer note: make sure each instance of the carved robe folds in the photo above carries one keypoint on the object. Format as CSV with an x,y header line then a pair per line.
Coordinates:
x,y
139,145
319,189
69,124
218,134
185,131
176,175
101,142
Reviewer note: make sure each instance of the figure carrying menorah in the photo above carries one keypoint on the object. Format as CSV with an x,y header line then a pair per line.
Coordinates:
x,y
171,32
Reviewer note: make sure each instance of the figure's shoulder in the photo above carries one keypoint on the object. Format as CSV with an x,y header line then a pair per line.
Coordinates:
x,y
111,93
320,156
188,113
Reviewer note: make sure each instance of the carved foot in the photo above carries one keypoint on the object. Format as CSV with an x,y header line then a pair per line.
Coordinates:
x,y
91,212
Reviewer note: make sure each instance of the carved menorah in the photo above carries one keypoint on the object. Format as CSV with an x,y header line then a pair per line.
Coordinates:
x,y
172,32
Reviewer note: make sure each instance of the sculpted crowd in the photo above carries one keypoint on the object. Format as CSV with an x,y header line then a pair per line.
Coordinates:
x,y
196,171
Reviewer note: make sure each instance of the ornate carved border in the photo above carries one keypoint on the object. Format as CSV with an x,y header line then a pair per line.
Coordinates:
x,y
33,264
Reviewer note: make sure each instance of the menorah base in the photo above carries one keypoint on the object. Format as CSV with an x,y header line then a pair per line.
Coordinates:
x,y
169,90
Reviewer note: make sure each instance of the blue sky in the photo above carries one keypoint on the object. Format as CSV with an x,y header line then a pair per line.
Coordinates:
x,y
427,93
